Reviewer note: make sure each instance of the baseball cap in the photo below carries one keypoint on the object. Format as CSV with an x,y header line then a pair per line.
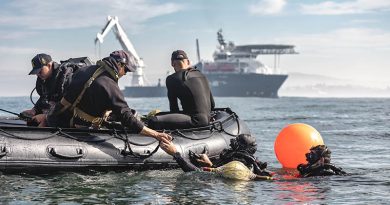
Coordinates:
x,y
38,62
178,55
123,57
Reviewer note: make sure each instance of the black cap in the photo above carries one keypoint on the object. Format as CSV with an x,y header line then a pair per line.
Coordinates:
x,y
38,62
178,55
123,57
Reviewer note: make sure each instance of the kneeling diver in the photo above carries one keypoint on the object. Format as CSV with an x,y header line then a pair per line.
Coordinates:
x,y
319,163
237,162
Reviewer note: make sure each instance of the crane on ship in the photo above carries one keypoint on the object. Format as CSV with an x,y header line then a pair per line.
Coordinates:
x,y
138,79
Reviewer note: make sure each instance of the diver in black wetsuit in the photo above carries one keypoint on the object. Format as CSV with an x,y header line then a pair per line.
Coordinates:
x,y
242,150
192,88
319,163
51,84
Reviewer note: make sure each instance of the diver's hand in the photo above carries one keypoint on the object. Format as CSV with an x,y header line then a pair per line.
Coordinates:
x,y
204,159
40,119
163,136
168,147
157,135
29,113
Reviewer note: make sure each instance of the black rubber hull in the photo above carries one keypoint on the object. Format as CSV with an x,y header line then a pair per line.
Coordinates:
x,y
29,149
224,85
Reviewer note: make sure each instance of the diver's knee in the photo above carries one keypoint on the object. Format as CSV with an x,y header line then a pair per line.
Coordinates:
x,y
201,120
153,122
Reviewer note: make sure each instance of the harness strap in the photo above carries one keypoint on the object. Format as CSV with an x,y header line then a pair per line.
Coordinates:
x,y
96,121
65,105
98,72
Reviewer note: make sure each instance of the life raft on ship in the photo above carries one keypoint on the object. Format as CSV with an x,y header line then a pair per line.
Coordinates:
x,y
28,149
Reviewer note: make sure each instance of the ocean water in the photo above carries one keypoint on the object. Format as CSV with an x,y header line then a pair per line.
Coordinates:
x,y
356,130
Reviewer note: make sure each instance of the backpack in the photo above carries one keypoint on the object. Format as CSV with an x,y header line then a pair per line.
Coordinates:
x,y
76,63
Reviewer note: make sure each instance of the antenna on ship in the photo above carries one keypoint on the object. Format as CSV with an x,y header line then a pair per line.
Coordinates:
x,y
221,41
197,50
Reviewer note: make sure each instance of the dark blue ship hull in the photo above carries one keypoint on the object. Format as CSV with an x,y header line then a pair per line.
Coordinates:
x,y
224,85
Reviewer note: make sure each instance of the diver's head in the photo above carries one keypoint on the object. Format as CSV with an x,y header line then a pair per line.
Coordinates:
x,y
318,152
244,142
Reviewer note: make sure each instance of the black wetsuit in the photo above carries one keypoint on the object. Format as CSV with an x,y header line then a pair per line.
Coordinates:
x,y
184,163
102,95
52,89
192,88
327,169
227,155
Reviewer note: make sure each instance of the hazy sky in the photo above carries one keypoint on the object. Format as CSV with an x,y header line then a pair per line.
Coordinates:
x,y
344,39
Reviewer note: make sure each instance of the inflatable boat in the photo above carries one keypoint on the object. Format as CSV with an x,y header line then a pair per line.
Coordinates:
x,y
31,149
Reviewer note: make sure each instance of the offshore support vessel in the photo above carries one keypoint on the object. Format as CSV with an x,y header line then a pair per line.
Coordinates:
x,y
235,72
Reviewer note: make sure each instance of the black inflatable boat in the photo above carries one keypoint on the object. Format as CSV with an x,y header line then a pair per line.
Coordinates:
x,y
30,149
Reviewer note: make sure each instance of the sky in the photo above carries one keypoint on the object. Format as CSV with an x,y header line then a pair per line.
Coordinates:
x,y
347,39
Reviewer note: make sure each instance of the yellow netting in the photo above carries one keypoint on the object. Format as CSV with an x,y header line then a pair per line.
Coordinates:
x,y
235,170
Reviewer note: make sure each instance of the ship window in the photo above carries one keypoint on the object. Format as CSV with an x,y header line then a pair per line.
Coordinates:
x,y
221,56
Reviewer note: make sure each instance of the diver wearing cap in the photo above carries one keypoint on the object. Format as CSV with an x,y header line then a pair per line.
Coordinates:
x,y
319,163
192,88
52,81
236,162
92,93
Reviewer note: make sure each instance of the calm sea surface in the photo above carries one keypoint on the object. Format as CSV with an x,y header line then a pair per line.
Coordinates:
x,y
356,130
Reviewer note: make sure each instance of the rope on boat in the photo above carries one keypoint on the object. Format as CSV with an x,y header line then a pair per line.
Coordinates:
x,y
8,134
124,152
80,139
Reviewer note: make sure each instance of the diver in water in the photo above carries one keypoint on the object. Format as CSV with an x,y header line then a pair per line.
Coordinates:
x,y
319,163
236,162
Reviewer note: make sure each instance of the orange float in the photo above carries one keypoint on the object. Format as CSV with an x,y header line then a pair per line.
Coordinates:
x,y
293,142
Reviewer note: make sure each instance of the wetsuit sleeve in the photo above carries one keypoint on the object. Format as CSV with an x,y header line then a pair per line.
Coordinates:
x,y
121,109
173,105
66,79
184,164
39,104
212,101
336,170
52,118
172,96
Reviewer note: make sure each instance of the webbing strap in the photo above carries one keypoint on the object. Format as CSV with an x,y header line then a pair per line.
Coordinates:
x,y
98,72
103,67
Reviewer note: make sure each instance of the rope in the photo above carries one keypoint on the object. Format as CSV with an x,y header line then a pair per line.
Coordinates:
x,y
130,152
32,101
178,133
8,134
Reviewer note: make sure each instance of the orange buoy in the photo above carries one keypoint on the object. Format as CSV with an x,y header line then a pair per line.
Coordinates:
x,y
293,142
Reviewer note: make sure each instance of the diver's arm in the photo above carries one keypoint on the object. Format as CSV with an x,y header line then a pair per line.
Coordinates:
x,y
173,104
172,96
184,164
212,101
336,170
53,117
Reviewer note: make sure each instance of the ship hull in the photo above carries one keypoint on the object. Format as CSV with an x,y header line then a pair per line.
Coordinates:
x,y
145,91
246,85
224,85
